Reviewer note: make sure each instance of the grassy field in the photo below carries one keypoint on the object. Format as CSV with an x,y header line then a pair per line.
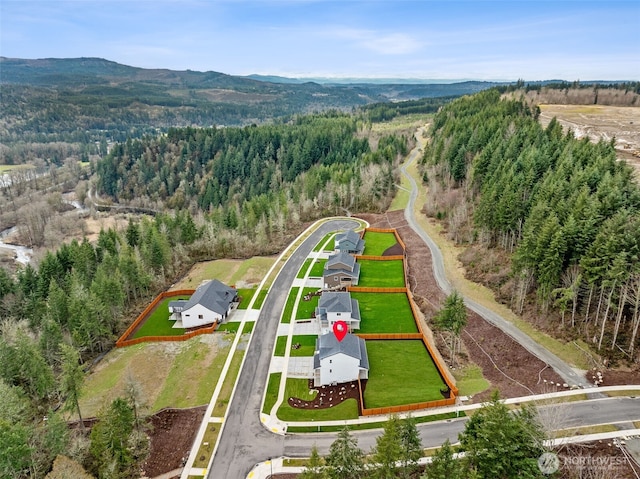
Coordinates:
x,y
181,374
288,307
401,200
470,381
7,168
385,313
299,388
306,308
377,243
400,372
158,324
246,294
205,451
233,327
229,271
307,345
229,382
383,274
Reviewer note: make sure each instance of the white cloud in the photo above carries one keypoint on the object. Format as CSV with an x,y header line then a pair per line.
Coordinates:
x,y
379,42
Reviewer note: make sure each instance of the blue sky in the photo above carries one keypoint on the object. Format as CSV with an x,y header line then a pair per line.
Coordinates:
x,y
480,39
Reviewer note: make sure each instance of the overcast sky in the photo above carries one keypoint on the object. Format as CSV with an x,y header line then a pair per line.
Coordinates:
x,y
504,40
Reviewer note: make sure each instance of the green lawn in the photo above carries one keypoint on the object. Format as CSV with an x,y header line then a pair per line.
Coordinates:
x,y
303,269
318,268
385,313
470,380
229,382
306,308
288,307
401,372
233,327
322,242
377,243
383,274
260,298
158,324
299,388
245,294
272,392
307,345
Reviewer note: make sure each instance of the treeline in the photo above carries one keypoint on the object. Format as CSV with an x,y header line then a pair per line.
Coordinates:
x,y
255,178
60,314
566,209
626,86
378,112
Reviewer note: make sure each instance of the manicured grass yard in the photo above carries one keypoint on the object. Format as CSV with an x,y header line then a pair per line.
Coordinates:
x,y
318,268
260,299
288,307
306,308
272,392
377,243
299,388
158,324
303,269
307,345
322,242
246,294
385,313
400,372
383,274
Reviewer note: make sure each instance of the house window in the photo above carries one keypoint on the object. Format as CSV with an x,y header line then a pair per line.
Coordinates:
x,y
338,314
335,278
330,370
330,361
200,316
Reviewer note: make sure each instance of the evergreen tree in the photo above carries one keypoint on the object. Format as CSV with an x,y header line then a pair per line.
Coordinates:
x,y
345,459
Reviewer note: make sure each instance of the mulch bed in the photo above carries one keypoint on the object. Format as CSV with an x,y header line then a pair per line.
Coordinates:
x,y
509,367
172,435
394,250
328,396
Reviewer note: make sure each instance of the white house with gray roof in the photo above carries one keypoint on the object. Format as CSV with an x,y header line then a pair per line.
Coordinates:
x,y
339,361
210,303
340,270
338,306
348,242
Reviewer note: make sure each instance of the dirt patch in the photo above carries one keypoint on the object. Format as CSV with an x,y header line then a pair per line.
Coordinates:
x,y
394,250
328,396
608,377
172,435
509,367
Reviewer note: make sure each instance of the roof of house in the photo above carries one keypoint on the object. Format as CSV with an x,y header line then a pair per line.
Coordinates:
x,y
354,272
328,345
350,237
338,302
178,303
340,258
213,295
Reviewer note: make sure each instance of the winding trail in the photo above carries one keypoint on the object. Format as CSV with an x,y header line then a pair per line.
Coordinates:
x,y
564,370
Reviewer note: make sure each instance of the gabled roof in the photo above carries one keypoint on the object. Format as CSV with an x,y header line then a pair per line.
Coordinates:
x,y
340,258
335,302
350,238
327,345
353,272
213,295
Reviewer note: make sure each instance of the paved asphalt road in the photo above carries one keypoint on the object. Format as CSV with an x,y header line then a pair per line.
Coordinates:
x,y
244,441
565,371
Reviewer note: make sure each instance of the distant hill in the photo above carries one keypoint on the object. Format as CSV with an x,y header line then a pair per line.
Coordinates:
x,y
85,101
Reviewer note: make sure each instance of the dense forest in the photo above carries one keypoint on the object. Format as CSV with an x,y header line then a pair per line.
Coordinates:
x,y
54,106
249,189
565,211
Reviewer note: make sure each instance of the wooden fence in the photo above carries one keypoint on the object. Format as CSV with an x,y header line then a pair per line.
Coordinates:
x,y
372,336
375,289
368,257
375,411
123,341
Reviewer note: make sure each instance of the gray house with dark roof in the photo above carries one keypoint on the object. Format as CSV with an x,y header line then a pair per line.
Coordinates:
x,y
339,361
210,303
349,242
341,270
338,306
